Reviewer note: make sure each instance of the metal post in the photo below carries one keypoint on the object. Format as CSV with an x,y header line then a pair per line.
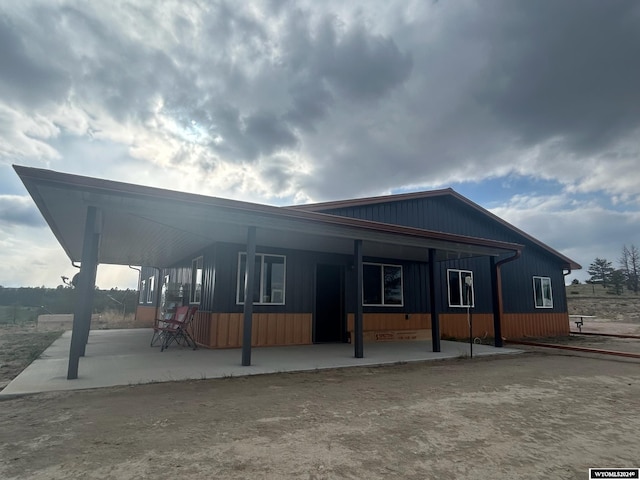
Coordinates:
x,y
250,272
433,302
84,292
358,344
468,300
496,288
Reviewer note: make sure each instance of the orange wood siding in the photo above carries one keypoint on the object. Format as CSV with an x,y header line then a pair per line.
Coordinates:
x,y
145,316
519,325
514,325
456,325
224,330
391,321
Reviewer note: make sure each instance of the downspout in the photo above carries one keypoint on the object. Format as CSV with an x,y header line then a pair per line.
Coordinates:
x,y
497,304
139,270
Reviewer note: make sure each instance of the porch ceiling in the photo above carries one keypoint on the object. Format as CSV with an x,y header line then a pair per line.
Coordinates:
x,y
156,227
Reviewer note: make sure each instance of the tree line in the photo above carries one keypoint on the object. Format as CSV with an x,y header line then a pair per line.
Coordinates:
x,y
62,299
616,279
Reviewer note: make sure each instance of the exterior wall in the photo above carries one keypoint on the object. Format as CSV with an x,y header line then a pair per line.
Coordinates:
x,y
224,330
143,297
536,325
145,316
219,320
391,321
513,325
448,214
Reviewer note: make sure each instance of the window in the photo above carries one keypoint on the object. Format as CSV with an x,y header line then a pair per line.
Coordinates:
x,y
460,283
196,280
150,291
143,286
268,281
163,293
382,285
542,292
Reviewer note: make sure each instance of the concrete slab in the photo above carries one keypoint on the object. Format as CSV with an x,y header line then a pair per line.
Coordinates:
x,y
124,357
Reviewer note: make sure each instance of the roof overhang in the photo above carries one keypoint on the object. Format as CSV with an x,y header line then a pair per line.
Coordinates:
x,y
156,227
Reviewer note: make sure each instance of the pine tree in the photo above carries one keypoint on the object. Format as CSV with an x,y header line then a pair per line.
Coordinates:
x,y
600,271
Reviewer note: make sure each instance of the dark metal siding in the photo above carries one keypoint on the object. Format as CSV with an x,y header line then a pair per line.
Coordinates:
x,y
481,283
448,214
415,286
220,280
145,273
299,283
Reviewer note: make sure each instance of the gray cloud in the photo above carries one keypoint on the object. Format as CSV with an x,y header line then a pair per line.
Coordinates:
x,y
564,69
324,100
29,76
19,210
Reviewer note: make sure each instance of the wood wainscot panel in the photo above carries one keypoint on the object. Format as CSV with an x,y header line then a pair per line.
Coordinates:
x,y
268,329
200,328
145,316
393,327
456,325
523,325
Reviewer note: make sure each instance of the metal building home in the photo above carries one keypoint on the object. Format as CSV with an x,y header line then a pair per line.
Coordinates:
x,y
400,267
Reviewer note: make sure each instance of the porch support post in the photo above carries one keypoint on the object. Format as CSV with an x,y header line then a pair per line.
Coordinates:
x,y
85,290
250,272
434,302
496,289
358,344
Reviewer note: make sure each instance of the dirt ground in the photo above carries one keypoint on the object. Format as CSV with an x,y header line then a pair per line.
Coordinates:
x,y
533,415
19,346
541,414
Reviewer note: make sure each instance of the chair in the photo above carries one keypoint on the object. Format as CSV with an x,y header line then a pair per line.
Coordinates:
x,y
160,323
177,329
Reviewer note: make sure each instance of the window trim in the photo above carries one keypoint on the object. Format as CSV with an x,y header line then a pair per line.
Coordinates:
x,y
192,290
282,291
382,265
535,299
151,289
143,292
473,288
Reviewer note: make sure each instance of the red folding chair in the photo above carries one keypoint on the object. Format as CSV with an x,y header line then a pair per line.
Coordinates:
x,y
160,324
177,329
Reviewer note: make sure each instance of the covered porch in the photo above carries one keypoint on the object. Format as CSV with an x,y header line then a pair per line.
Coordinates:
x,y
103,222
123,357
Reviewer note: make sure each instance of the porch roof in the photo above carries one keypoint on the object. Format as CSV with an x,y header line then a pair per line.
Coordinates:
x,y
150,226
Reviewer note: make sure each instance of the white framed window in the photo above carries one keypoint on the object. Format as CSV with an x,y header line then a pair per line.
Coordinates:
x,y
143,293
163,292
542,292
460,287
150,290
269,279
196,280
382,285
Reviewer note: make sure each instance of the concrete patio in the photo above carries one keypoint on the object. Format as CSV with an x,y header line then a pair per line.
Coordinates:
x,y
124,357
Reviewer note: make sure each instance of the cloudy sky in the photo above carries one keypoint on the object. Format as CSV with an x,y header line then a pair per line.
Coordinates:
x,y
529,108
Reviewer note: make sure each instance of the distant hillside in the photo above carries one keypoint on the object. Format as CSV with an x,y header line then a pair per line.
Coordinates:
x,y
595,300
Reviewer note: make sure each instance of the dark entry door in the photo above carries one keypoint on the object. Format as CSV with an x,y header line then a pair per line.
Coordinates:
x,y
329,322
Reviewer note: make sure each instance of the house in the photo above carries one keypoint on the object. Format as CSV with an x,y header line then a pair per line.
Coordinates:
x,y
400,267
